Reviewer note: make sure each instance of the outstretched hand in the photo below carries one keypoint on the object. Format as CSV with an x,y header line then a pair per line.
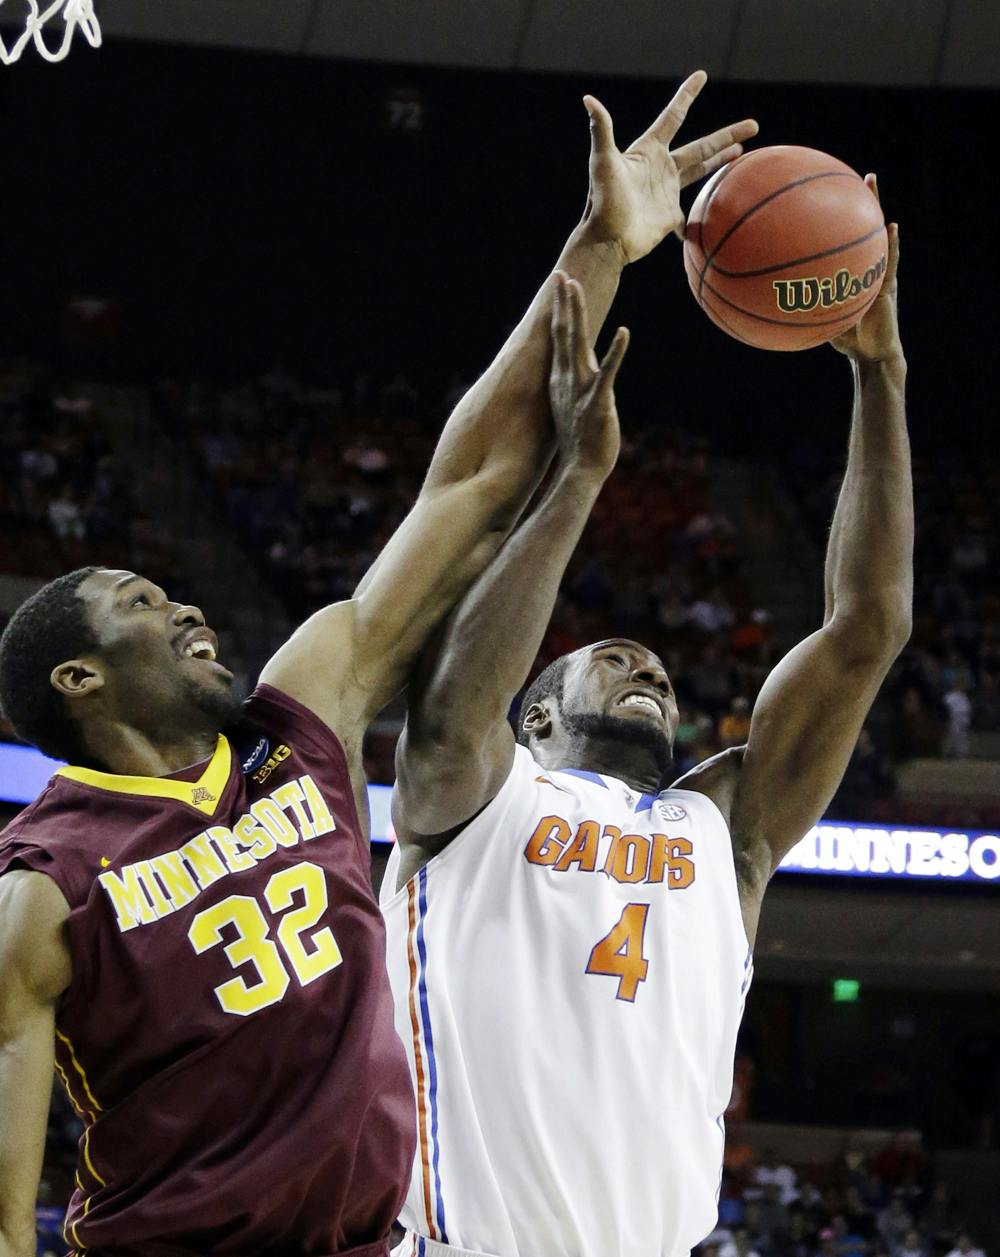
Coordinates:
x,y
635,195
582,392
875,337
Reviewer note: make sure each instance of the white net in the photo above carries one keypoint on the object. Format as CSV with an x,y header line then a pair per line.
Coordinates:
x,y
74,13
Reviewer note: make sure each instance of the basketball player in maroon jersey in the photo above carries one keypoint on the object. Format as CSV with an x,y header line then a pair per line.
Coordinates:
x,y
187,928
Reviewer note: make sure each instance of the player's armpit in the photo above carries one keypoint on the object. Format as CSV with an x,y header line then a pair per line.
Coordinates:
x,y
441,784
34,971
805,726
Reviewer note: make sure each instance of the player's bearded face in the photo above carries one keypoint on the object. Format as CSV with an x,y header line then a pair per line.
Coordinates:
x,y
160,659
586,726
618,693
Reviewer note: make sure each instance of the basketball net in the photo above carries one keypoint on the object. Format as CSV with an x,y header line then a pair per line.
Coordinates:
x,y
75,13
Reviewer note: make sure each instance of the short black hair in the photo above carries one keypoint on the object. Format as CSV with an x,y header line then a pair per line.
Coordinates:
x,y
46,630
548,684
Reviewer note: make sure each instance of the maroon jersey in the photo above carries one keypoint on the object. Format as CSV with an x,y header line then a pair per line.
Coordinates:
x,y
227,1037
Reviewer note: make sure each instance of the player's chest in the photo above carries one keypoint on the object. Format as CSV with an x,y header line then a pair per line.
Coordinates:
x,y
260,844
612,839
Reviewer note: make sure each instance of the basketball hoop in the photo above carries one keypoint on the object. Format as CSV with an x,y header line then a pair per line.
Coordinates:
x,y
75,13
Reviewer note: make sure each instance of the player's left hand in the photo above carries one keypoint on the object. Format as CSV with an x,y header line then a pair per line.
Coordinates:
x,y
634,196
875,337
582,392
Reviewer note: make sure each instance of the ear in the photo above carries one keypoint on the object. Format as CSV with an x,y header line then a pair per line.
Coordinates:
x,y
76,679
537,721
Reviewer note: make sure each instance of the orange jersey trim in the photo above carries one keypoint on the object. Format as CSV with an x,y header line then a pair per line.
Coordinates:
x,y
418,1054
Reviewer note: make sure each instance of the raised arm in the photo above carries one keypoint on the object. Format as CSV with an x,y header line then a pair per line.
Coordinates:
x,y
457,747
811,709
349,659
34,971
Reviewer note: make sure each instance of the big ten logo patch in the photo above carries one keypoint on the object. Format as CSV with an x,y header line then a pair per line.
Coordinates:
x,y
628,858
281,753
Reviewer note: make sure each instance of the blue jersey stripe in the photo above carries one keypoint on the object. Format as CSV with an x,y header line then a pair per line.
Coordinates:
x,y
429,1040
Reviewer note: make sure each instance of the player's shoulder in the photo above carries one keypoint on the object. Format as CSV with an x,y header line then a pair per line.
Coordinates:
x,y
56,836
269,717
47,819
715,778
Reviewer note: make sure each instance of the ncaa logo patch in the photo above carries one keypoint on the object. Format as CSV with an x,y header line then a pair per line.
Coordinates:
x,y
673,811
256,756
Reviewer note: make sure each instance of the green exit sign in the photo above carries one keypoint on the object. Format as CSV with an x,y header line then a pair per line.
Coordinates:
x,y
846,990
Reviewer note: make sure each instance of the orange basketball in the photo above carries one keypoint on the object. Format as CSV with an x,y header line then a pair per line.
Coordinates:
x,y
785,248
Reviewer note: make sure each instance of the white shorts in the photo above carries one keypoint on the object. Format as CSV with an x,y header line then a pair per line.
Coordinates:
x,y
414,1245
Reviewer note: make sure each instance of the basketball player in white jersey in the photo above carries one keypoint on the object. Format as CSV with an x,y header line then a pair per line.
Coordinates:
x,y
570,943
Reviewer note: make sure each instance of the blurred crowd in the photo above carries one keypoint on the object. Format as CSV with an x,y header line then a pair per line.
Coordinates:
x,y
881,1203
65,496
946,686
66,499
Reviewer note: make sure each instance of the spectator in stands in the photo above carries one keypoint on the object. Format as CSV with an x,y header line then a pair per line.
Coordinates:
x,y
734,726
919,732
65,516
964,1247
773,1223
846,1243
868,777
859,1217
959,708
710,680
895,1222
941,1219
773,1172
739,1246
902,1160
912,1246
712,613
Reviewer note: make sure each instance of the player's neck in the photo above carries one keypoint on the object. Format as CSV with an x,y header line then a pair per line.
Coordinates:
x,y
130,752
634,765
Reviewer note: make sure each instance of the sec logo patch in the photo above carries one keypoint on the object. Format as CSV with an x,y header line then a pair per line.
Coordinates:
x,y
672,811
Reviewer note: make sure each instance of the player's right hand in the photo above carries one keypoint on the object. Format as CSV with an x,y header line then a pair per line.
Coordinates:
x,y
875,336
635,195
582,392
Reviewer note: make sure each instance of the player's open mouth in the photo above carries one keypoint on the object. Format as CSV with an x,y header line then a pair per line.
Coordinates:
x,y
200,648
641,700
202,645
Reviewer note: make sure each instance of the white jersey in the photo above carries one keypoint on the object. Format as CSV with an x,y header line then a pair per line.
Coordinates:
x,y
569,976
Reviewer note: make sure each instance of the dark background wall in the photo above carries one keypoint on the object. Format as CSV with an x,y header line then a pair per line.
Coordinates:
x,y
246,208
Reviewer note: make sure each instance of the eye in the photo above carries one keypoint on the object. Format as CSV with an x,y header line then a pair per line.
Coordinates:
x,y
141,599
616,659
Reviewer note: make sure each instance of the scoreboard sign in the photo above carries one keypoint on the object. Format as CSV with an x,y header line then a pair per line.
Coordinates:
x,y
939,855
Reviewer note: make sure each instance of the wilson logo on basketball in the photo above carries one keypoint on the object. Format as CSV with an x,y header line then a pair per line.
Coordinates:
x,y
795,295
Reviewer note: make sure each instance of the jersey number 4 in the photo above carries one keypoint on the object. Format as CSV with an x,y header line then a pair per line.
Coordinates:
x,y
253,943
619,954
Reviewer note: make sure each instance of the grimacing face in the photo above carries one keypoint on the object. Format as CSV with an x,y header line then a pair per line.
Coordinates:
x,y
623,680
156,660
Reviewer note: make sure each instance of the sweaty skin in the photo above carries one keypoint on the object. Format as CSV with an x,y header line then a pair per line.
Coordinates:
x,y
145,708
457,748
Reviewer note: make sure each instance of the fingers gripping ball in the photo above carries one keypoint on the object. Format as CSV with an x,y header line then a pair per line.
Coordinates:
x,y
785,248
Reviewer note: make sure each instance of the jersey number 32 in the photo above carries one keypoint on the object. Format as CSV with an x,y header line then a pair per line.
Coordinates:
x,y
253,943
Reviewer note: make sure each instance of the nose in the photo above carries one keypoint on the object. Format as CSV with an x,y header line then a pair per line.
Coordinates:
x,y
188,615
652,674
